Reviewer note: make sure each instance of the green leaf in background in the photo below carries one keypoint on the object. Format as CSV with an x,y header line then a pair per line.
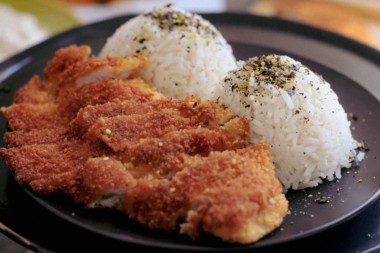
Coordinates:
x,y
53,16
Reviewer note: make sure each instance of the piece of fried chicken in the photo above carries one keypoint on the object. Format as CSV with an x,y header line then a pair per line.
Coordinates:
x,y
95,131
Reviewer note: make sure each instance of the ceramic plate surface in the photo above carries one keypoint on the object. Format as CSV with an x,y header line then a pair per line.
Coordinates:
x,y
352,69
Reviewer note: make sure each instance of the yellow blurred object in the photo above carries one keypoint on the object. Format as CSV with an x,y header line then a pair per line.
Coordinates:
x,y
330,15
87,1
53,16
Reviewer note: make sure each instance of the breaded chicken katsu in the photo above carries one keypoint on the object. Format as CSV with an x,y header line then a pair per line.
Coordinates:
x,y
95,131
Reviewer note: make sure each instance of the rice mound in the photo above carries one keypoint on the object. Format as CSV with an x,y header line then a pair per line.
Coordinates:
x,y
188,55
297,113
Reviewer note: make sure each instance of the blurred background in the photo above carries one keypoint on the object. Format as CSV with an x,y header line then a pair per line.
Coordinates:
x,y
30,22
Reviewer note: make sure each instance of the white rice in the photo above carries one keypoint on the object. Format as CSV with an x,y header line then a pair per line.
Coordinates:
x,y
297,113
188,55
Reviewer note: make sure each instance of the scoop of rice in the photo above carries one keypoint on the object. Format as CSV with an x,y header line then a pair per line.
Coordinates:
x,y
188,55
297,113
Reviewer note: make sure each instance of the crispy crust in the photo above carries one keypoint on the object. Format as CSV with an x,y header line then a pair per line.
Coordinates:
x,y
26,116
115,142
36,136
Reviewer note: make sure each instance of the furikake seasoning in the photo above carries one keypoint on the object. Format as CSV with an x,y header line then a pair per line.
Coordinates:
x,y
169,19
269,69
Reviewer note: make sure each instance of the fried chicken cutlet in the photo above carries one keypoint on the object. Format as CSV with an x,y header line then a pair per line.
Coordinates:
x,y
95,131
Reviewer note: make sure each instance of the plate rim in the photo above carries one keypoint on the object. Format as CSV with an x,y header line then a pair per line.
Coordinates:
x,y
163,245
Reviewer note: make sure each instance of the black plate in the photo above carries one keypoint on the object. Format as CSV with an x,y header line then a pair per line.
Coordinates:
x,y
353,71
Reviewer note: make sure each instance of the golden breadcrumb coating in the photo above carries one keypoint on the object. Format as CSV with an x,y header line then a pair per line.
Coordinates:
x,y
95,131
